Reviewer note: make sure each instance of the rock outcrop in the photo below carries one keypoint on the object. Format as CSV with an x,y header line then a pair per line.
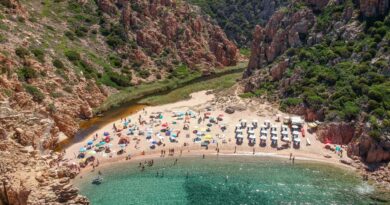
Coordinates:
x,y
284,30
374,8
174,29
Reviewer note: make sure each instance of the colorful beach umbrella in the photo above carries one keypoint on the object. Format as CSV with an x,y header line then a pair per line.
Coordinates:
x,y
83,149
106,133
90,142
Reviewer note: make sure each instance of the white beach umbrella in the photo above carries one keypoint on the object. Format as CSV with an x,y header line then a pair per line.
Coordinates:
x,y
251,131
252,136
240,136
295,133
262,137
263,131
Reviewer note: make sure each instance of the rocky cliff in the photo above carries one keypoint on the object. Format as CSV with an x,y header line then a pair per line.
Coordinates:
x,y
314,56
238,18
61,59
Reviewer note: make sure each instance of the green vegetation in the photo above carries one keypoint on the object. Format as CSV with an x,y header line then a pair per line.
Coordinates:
x,y
39,54
345,79
238,18
136,92
26,73
21,52
37,95
219,83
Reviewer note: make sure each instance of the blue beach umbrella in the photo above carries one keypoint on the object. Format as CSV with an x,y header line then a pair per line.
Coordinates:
x,y
90,142
106,133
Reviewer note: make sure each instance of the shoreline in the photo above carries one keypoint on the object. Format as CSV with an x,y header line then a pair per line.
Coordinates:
x,y
195,153
202,102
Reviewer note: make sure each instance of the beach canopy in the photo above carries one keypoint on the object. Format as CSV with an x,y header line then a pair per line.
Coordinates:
x,y
208,137
296,120
101,144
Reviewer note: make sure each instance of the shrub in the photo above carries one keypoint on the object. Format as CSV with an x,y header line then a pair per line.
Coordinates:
x,y
144,73
350,110
120,80
70,35
58,64
115,61
292,101
181,72
26,73
39,54
68,89
37,95
73,56
21,52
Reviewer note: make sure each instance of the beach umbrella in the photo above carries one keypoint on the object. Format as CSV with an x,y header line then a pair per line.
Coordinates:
x,y
251,131
208,137
263,131
262,137
285,132
295,126
240,136
252,136
83,149
297,139
295,133
274,138
165,125
239,131
122,146
90,142
91,152
106,133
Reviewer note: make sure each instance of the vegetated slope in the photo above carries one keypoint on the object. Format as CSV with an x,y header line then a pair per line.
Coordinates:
x,y
59,59
238,18
329,61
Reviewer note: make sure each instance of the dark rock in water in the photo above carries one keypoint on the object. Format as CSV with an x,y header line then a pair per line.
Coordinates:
x,y
229,110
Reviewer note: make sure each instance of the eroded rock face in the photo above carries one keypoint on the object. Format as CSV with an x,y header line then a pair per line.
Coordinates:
x,y
174,29
283,30
28,178
336,133
374,8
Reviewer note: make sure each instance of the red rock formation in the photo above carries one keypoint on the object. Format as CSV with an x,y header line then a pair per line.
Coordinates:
x,y
336,133
374,8
282,31
178,28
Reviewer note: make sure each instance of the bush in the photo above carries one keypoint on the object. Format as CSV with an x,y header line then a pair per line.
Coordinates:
x,y
37,95
73,56
115,61
39,54
144,73
21,52
120,80
26,73
181,72
58,64
70,35
350,110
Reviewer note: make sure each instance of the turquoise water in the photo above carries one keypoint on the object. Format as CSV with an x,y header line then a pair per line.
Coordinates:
x,y
225,180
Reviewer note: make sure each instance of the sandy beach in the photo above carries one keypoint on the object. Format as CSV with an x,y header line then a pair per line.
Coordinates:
x,y
221,142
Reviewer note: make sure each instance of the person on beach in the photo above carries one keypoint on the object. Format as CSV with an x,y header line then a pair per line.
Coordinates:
x,y
99,172
203,156
293,160
157,174
290,155
253,151
235,149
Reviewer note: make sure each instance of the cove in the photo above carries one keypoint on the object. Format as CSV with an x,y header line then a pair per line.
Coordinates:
x,y
225,180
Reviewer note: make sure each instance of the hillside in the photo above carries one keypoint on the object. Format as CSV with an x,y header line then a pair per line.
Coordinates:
x,y
60,59
238,18
329,61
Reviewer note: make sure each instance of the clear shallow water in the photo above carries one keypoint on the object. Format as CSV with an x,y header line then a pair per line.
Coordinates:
x,y
225,180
